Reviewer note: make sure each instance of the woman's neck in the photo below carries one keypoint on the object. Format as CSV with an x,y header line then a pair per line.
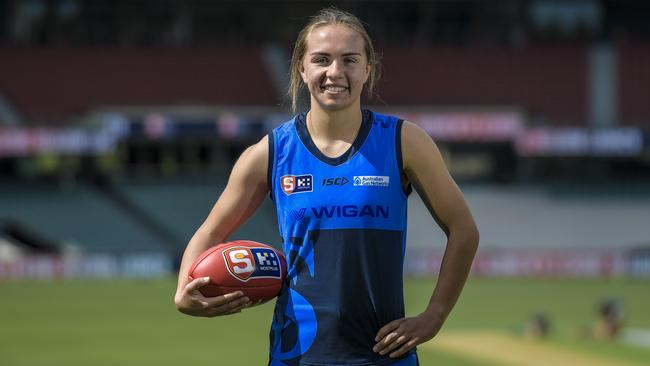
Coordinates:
x,y
334,125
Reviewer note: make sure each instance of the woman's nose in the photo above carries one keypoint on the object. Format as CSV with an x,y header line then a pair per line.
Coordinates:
x,y
335,70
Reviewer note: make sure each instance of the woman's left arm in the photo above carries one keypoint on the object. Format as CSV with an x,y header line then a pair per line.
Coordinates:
x,y
426,170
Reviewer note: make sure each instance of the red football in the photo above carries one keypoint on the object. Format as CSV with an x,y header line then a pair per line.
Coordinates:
x,y
254,268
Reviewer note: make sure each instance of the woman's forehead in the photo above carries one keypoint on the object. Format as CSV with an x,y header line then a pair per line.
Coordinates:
x,y
334,39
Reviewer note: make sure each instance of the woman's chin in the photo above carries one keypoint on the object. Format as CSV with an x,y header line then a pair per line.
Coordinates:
x,y
331,104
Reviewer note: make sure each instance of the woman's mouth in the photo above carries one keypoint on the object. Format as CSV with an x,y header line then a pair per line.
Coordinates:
x,y
334,89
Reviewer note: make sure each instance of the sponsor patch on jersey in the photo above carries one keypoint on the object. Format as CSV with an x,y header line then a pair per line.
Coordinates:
x,y
371,180
245,263
327,212
297,183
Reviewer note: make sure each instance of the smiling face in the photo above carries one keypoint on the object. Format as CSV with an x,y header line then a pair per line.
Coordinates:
x,y
335,67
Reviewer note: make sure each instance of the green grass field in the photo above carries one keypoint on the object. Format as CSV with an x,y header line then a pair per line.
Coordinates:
x,y
134,322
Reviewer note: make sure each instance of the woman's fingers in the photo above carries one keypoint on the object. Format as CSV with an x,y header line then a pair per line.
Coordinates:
x,y
405,348
199,305
196,284
387,329
225,304
392,341
237,309
223,299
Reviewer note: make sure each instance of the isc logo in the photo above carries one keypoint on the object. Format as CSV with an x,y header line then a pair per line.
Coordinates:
x,y
296,183
246,263
339,181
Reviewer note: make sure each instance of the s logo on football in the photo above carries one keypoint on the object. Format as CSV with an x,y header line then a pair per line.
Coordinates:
x,y
246,263
296,183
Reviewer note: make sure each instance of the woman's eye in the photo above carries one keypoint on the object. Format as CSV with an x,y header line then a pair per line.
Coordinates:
x,y
351,60
321,60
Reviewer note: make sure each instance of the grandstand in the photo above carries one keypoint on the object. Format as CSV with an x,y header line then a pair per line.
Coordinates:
x,y
182,206
549,217
75,217
101,76
558,93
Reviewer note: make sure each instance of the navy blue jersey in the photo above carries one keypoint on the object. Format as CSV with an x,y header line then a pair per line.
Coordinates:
x,y
343,225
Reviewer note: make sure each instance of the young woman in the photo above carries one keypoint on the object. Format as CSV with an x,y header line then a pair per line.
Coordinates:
x,y
340,177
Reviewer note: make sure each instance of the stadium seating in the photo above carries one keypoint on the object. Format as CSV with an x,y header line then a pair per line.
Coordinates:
x,y
181,206
634,79
96,222
568,216
549,82
77,216
52,85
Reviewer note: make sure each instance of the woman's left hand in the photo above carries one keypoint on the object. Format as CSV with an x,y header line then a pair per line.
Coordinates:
x,y
401,335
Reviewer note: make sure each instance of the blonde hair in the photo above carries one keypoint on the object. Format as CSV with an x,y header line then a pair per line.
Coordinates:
x,y
330,16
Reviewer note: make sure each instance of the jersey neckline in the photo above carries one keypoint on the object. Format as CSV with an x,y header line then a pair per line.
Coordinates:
x,y
305,137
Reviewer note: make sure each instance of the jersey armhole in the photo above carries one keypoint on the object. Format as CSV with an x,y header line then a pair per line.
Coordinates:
x,y
398,150
270,165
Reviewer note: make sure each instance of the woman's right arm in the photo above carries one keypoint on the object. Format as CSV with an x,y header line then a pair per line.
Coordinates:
x,y
246,189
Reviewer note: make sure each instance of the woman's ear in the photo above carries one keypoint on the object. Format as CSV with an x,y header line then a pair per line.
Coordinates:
x,y
301,70
367,74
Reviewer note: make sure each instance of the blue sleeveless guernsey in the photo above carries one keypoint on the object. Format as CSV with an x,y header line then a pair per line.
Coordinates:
x,y
343,225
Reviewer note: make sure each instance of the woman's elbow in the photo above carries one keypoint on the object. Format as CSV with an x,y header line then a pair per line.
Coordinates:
x,y
474,236
467,235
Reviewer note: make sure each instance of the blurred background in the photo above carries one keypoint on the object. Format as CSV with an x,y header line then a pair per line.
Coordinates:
x,y
120,121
